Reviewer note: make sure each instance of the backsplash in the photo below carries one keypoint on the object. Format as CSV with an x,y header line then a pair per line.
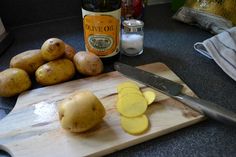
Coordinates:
x,y
2,29
153,2
22,12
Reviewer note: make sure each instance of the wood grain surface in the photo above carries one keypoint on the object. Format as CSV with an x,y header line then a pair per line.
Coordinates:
x,y
32,128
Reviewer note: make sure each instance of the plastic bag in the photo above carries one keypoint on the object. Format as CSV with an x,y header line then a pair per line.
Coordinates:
x,y
213,15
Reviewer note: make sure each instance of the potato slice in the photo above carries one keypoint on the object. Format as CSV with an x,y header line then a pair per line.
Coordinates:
x,y
126,85
132,105
150,96
135,125
128,90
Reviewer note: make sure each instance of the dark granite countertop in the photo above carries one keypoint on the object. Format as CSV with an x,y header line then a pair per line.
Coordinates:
x,y
166,41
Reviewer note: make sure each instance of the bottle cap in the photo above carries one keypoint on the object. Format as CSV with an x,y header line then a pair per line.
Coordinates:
x,y
133,25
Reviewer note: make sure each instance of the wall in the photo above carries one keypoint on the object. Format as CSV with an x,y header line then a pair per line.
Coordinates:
x,y
153,2
22,12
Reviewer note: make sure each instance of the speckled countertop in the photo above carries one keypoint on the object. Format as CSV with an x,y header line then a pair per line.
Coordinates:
x,y
166,41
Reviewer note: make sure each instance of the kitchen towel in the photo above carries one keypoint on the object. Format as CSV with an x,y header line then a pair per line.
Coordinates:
x,y
222,49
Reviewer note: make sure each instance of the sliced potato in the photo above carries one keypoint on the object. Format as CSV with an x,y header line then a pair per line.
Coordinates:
x,y
150,96
135,125
127,85
128,90
132,105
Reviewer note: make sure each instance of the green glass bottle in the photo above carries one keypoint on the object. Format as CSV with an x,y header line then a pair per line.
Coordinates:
x,y
101,23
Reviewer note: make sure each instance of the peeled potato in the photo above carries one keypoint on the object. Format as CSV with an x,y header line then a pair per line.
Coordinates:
x,y
81,111
149,96
52,49
135,125
132,105
127,85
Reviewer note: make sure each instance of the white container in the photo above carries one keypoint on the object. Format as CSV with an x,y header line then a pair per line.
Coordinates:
x,y
132,37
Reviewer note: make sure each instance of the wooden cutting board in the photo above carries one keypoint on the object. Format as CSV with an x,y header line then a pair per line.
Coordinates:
x,y
32,128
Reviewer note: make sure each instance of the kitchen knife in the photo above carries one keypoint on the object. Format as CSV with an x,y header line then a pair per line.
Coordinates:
x,y
173,90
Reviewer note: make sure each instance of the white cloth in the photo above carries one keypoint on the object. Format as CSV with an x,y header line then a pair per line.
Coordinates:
x,y
222,49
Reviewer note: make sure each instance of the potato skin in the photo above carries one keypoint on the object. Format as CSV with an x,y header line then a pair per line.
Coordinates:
x,y
52,49
81,111
88,63
29,61
69,52
54,72
13,81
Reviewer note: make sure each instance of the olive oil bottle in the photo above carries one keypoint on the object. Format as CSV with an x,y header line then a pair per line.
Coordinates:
x,y
101,23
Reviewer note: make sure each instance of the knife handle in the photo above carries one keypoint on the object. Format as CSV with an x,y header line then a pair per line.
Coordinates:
x,y
209,109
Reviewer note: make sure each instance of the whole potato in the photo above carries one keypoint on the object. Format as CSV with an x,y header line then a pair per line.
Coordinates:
x,y
13,81
52,49
81,111
69,52
29,61
88,63
54,72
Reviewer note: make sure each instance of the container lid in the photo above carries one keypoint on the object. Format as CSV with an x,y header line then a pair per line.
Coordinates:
x,y
133,25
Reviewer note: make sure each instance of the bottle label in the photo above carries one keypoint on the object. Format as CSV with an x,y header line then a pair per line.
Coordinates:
x,y
102,32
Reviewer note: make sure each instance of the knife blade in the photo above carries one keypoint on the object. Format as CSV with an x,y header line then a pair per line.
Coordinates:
x,y
174,89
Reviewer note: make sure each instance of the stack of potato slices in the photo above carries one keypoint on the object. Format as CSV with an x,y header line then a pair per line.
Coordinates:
x,y
132,104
